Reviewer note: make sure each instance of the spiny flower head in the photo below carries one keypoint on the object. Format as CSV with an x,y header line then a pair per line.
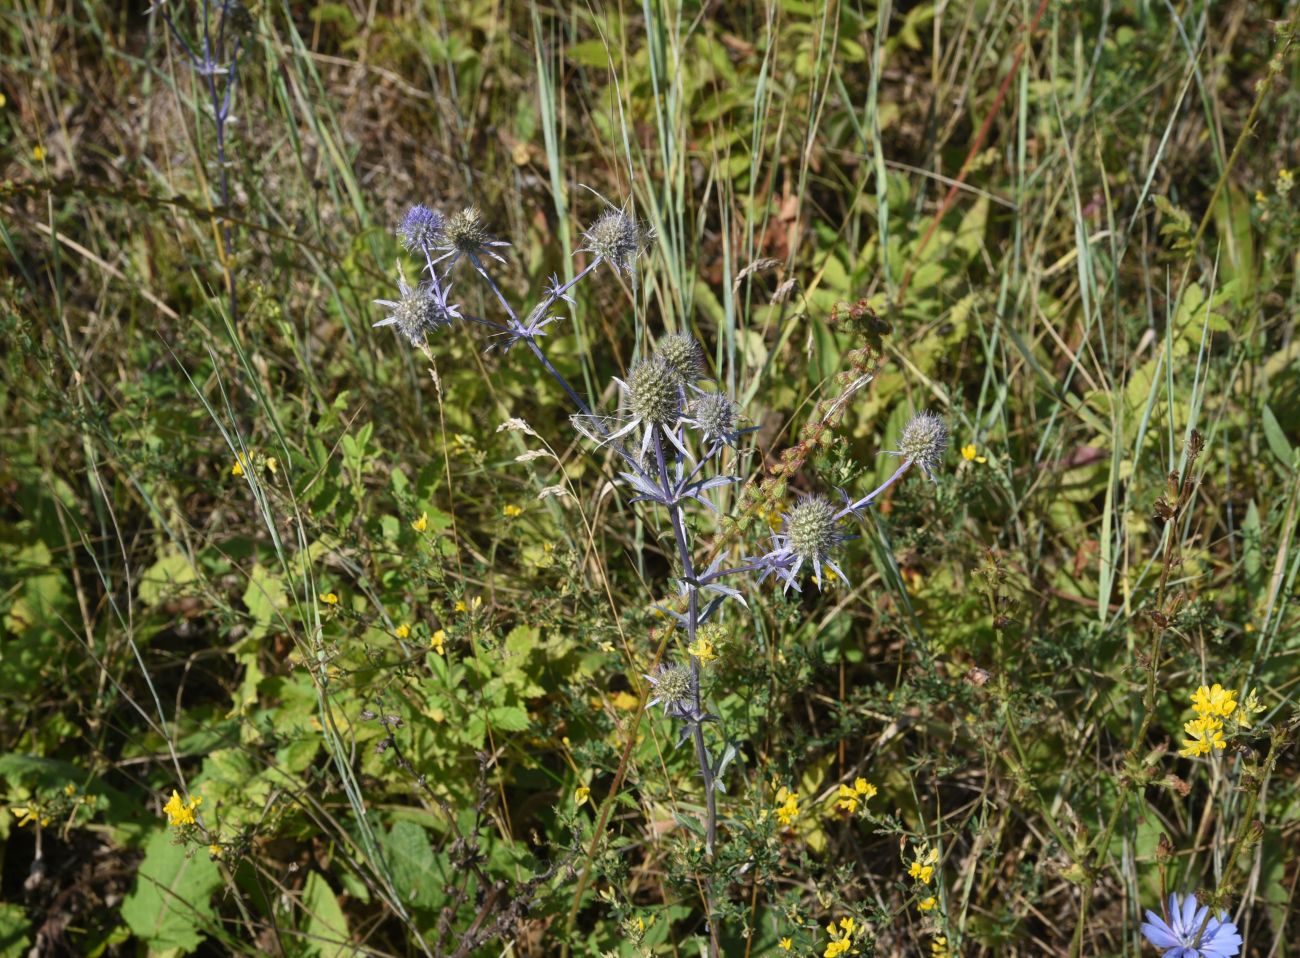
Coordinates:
x,y
812,529
618,238
1181,936
683,355
466,234
716,416
674,687
923,442
419,310
652,392
421,229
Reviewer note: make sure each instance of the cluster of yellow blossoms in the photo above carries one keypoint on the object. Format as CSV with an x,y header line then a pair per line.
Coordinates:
x,y
787,809
841,942
848,799
1212,705
180,813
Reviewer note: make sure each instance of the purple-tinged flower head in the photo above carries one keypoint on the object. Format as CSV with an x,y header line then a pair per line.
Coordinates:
x,y
923,442
809,532
465,234
683,355
419,310
421,229
717,418
674,687
1191,932
618,238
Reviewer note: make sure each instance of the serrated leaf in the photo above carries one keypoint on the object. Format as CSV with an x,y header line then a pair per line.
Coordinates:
x,y
415,868
165,578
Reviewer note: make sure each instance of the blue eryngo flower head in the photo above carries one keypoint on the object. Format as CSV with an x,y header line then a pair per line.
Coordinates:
x,y
618,238
717,418
421,229
674,687
1182,935
924,439
809,533
683,355
465,234
419,310
652,393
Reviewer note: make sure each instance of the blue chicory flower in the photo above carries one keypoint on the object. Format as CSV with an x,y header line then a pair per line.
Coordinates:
x,y
1181,936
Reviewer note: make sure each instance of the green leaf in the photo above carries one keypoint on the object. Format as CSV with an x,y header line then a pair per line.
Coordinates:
x,y
13,931
264,598
170,905
508,718
415,869
166,577
326,927
1277,438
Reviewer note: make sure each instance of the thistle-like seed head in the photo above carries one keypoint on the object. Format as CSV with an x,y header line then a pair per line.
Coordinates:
x,y
417,313
811,529
683,355
466,232
652,392
421,229
674,687
618,238
924,439
716,416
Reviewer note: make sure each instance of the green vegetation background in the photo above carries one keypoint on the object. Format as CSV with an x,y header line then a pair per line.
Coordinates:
x,y
1070,229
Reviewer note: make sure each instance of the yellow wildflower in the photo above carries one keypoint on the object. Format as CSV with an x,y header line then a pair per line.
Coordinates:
x,y
180,813
702,649
402,631
1204,736
927,904
422,523
25,814
848,799
272,466
1252,706
69,790
38,154
330,598
1215,700
581,795
923,867
512,511
864,788
970,454
436,641
939,947
214,852
1260,197
788,808
785,944
3,101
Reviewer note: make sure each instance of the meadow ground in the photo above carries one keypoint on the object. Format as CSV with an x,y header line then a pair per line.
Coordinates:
x,y
319,640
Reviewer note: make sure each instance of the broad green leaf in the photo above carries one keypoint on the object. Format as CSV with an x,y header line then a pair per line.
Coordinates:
x,y
325,927
166,577
170,906
415,868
